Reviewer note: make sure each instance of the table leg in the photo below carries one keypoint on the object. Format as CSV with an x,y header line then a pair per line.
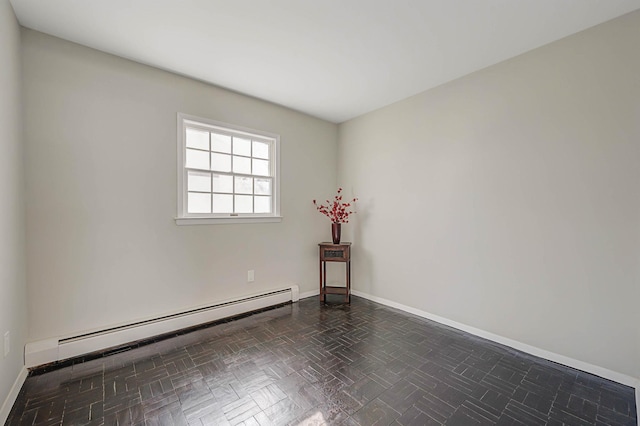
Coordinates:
x,y
348,282
320,278
324,281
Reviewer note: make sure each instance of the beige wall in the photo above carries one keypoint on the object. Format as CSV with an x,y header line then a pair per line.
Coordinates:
x,y
103,247
13,293
508,200
505,200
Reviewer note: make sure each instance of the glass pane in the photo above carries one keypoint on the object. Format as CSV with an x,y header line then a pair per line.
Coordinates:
x,y
261,167
244,204
261,150
220,162
241,165
263,186
198,181
199,203
197,159
244,185
222,183
220,143
262,205
222,203
241,146
198,139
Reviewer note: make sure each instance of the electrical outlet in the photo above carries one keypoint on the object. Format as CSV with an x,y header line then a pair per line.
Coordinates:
x,y
251,276
7,343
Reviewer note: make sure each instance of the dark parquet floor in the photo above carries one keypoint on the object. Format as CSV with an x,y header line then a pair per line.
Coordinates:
x,y
309,364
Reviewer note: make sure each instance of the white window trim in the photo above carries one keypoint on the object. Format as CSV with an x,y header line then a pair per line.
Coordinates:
x,y
183,218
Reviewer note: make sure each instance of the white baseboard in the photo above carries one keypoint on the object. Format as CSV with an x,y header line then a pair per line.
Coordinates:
x,y
13,395
61,348
532,350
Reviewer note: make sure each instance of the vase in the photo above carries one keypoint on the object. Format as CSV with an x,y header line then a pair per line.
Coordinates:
x,y
335,232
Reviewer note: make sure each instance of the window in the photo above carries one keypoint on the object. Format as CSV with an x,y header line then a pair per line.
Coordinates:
x,y
226,174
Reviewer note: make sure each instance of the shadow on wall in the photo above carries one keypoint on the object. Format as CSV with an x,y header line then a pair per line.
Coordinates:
x,y
363,260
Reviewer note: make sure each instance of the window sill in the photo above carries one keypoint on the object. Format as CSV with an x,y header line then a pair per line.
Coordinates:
x,y
226,220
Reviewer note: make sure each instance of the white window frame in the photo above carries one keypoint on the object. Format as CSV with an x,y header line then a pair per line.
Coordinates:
x,y
185,218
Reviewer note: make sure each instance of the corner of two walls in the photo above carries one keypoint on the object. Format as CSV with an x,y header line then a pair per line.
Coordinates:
x,y
13,294
507,200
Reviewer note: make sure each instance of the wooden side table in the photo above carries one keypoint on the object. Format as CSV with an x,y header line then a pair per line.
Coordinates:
x,y
330,252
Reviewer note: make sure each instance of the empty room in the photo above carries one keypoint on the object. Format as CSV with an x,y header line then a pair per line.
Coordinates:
x,y
355,212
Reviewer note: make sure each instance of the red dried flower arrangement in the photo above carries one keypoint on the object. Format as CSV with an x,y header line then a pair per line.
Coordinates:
x,y
336,210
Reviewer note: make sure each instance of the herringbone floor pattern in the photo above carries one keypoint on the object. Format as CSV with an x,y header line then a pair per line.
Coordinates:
x,y
308,364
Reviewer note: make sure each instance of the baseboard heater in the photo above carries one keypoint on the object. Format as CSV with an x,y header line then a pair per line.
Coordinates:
x,y
62,348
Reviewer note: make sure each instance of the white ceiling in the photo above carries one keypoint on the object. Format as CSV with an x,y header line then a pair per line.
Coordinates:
x,y
333,59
